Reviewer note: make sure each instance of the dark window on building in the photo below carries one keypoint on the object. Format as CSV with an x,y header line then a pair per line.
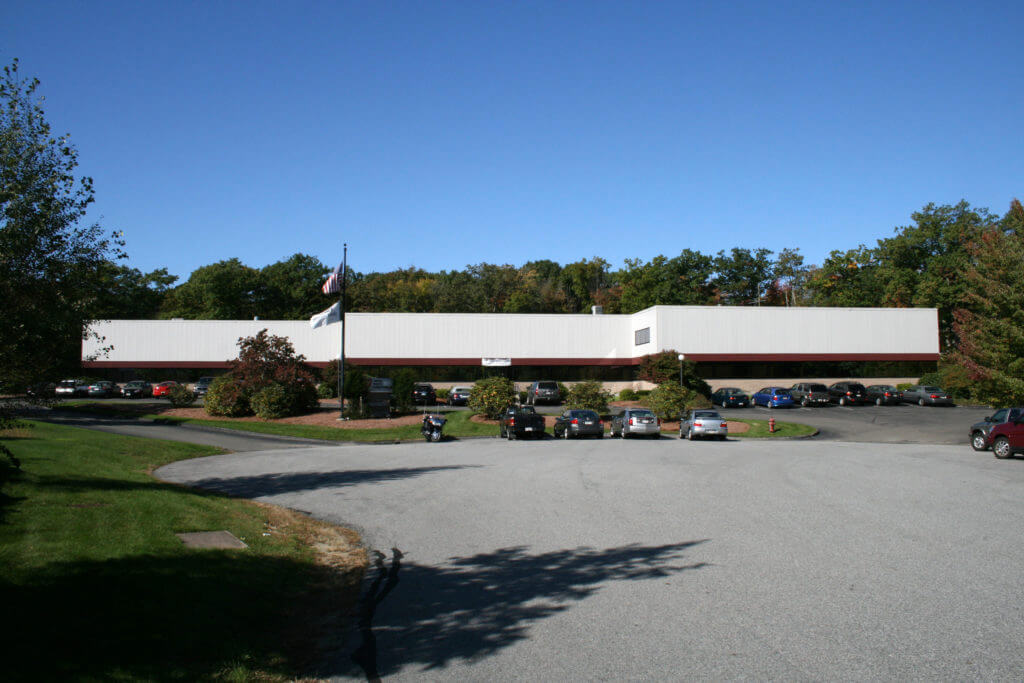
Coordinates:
x,y
642,337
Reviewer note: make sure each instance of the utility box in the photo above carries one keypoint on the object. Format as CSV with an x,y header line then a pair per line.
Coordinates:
x,y
378,396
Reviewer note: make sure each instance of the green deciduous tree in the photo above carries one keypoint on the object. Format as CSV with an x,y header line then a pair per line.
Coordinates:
x,y
491,395
588,395
290,289
225,290
50,261
743,276
663,367
990,327
682,280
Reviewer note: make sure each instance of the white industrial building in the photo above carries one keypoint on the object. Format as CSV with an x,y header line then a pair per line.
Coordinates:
x,y
713,336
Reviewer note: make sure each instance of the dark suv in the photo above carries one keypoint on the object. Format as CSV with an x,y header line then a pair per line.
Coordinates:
x,y
424,393
848,393
543,392
979,430
808,394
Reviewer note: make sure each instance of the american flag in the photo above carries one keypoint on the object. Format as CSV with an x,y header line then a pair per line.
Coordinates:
x,y
333,284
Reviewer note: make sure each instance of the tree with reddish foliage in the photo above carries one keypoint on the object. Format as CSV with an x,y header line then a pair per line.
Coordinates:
x,y
659,368
990,326
267,360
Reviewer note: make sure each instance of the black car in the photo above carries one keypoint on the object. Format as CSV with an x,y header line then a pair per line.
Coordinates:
x,y
810,394
202,386
979,430
424,394
730,397
42,390
103,389
885,395
137,389
848,393
573,423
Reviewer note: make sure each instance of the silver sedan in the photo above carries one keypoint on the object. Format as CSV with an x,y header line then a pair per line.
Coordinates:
x,y
701,423
636,421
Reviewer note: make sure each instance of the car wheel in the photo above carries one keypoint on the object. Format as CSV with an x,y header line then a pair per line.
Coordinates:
x,y
689,435
565,434
600,435
804,402
920,402
1001,447
978,441
878,401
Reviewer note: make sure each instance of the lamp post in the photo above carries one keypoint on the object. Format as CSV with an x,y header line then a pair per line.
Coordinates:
x,y
682,357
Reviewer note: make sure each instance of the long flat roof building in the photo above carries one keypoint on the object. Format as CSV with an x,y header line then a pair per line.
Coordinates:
x,y
705,334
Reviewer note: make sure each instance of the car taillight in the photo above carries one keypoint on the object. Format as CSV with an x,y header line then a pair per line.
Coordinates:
x,y
512,422
698,423
657,421
724,425
575,421
933,396
888,394
632,420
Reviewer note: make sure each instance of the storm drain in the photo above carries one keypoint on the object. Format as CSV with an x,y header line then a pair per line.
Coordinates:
x,y
211,539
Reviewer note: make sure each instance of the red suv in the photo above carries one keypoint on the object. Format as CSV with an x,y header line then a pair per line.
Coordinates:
x,y
1007,439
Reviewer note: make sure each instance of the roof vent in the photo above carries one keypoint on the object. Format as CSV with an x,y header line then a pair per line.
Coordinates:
x,y
597,310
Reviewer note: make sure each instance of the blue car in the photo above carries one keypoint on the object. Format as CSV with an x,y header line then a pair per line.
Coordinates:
x,y
773,397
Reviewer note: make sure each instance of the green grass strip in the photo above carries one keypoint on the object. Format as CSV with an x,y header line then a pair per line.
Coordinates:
x,y
96,586
759,429
458,425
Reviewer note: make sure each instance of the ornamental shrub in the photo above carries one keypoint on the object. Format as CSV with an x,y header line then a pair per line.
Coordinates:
x,y
325,390
272,402
628,395
669,401
491,396
664,367
181,396
589,395
227,397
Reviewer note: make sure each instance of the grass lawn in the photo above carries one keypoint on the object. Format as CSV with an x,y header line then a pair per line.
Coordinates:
x,y
95,585
458,425
759,429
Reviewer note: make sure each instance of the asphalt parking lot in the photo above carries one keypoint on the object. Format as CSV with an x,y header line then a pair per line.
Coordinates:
x,y
605,559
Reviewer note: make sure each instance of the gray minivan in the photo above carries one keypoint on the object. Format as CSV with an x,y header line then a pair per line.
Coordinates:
x,y
543,392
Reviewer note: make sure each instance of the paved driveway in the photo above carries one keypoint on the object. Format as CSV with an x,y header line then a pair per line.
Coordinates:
x,y
629,560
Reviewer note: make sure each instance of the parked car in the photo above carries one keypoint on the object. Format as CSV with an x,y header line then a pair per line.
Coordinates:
x,y
521,421
543,392
202,386
772,397
884,395
1007,439
703,423
42,390
424,394
730,397
137,389
636,422
810,394
927,396
103,389
979,430
573,423
458,396
163,388
70,388
848,393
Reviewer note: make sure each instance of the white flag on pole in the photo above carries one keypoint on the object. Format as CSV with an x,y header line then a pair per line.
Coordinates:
x,y
323,318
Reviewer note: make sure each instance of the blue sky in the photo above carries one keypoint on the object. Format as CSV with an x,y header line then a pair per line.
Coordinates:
x,y
441,134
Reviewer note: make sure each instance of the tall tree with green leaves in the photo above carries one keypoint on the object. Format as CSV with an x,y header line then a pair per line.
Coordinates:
x,y
50,260
225,290
290,289
743,277
990,327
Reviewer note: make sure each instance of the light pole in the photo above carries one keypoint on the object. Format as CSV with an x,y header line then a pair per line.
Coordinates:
x,y
682,357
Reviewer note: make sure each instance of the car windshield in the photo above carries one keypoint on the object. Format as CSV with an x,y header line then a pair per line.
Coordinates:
x,y
707,414
204,380
780,392
585,414
817,387
68,383
526,409
134,384
641,413
932,389
547,385
732,391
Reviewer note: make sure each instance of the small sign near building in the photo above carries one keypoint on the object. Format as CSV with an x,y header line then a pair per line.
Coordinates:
x,y
496,362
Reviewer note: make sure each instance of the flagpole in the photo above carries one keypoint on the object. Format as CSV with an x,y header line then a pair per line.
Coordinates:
x,y
341,361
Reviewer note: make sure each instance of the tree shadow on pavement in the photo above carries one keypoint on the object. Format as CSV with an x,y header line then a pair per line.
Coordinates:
x,y
275,483
473,607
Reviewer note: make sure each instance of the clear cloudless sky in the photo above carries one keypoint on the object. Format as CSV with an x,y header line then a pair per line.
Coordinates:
x,y
438,134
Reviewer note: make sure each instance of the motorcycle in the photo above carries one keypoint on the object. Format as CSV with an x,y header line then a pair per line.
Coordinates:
x,y
432,427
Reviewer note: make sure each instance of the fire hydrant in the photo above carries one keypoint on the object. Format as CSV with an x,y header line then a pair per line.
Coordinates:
x,y
771,424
